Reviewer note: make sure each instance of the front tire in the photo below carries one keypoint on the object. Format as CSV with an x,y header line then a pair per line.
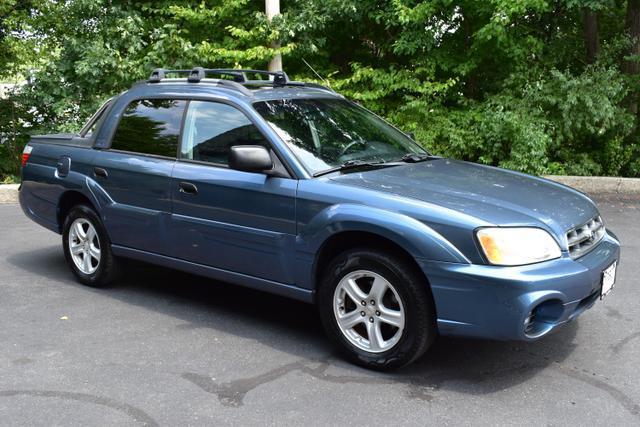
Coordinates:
x,y
87,248
377,309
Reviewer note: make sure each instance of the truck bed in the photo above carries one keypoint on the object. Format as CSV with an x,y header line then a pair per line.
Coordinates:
x,y
63,139
42,180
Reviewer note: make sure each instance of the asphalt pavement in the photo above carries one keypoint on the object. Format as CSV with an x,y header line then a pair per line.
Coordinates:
x,y
166,348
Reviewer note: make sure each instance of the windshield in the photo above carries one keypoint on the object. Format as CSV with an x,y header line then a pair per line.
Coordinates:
x,y
327,132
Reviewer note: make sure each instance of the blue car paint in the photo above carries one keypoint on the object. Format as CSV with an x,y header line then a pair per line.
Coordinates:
x,y
245,216
497,299
141,185
497,196
266,232
43,190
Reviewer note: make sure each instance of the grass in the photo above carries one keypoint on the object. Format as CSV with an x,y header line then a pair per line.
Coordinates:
x,y
10,179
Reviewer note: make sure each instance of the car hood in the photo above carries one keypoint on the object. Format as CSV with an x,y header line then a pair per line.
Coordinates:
x,y
496,196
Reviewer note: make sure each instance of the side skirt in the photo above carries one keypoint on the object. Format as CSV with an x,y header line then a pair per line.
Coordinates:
x,y
289,291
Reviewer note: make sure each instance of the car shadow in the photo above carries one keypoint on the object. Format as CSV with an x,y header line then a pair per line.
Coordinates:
x,y
456,364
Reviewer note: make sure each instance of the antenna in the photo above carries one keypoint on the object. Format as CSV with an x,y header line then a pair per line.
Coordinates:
x,y
316,73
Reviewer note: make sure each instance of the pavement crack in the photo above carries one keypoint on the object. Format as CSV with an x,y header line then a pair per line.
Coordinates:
x,y
599,381
137,414
613,313
232,393
22,361
618,395
616,348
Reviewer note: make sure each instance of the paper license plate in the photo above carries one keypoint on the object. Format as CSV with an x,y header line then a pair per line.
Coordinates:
x,y
608,279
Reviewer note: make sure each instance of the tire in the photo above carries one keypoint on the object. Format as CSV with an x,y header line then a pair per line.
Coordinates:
x,y
103,266
406,293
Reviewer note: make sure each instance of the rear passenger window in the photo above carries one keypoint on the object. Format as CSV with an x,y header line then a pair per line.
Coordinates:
x,y
150,126
212,128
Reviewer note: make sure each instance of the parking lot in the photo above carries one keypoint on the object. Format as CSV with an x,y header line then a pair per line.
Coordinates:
x,y
167,348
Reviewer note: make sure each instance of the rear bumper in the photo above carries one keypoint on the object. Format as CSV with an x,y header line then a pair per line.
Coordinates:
x,y
27,200
494,302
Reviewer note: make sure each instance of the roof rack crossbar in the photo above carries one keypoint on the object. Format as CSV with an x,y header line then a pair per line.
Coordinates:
x,y
278,78
160,73
195,75
240,75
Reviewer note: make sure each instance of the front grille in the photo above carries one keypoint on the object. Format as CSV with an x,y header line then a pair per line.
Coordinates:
x,y
582,239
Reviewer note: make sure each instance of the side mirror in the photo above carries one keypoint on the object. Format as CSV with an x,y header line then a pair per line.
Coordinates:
x,y
411,135
250,158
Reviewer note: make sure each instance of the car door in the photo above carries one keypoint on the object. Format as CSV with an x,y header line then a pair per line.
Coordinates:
x,y
238,221
135,173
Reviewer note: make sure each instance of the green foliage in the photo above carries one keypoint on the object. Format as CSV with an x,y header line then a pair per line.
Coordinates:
x,y
14,126
501,82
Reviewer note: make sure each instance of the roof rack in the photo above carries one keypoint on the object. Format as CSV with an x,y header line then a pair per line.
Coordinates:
x,y
277,78
195,75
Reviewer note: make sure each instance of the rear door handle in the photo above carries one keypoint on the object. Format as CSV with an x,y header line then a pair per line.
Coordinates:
x,y
100,172
188,188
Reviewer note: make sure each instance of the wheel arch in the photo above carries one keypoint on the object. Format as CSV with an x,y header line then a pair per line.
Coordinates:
x,y
413,238
414,289
345,226
347,240
67,201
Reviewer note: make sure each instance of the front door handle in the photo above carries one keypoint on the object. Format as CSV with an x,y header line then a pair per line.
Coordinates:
x,y
100,172
188,188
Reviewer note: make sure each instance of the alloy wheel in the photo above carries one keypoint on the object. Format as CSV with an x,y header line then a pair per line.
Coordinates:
x,y
84,246
368,311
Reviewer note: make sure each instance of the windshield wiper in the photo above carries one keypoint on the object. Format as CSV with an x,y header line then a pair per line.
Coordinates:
x,y
415,157
355,164
361,164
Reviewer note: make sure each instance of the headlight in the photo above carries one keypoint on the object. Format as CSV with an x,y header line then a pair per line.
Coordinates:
x,y
517,246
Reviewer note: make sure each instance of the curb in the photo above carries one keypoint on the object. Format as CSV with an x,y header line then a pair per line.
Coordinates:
x,y
599,184
9,193
586,184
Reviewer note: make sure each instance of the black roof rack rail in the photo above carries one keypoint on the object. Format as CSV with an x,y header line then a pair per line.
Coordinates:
x,y
195,75
156,75
277,78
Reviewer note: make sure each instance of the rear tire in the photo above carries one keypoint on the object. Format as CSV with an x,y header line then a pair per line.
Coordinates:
x,y
87,248
399,322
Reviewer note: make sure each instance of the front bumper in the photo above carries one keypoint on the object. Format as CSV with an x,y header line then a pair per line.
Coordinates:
x,y
495,302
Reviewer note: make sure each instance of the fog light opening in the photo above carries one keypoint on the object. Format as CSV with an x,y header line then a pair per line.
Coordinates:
x,y
528,323
542,318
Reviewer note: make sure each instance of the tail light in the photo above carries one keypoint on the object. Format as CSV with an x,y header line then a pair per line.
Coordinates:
x,y
25,154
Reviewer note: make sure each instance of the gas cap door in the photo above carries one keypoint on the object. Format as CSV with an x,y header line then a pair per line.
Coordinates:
x,y
63,166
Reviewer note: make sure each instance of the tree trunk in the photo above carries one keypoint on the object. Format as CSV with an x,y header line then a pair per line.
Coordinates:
x,y
471,78
633,30
272,8
592,44
632,66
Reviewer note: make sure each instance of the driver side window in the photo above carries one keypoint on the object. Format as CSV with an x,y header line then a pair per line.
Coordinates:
x,y
212,128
